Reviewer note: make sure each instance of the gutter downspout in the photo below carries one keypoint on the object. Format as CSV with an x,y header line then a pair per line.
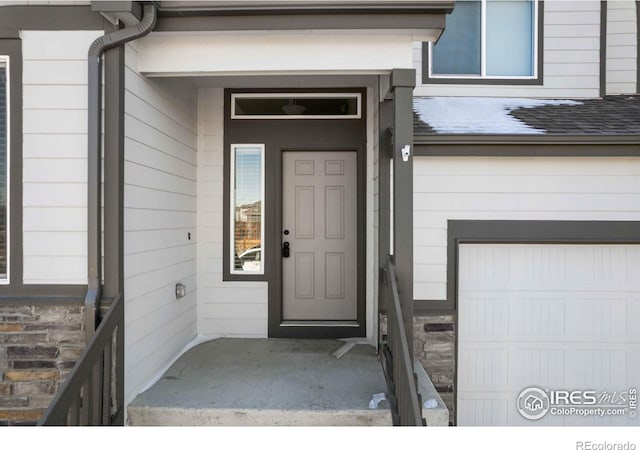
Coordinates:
x,y
94,157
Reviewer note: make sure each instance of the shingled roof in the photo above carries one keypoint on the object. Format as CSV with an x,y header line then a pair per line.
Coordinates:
x,y
615,115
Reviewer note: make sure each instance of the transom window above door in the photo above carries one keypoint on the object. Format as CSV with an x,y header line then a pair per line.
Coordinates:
x,y
487,39
317,105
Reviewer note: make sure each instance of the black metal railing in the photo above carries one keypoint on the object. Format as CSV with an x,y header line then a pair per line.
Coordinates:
x,y
93,393
398,366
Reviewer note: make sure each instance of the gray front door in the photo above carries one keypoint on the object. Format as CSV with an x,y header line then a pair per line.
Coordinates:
x,y
319,223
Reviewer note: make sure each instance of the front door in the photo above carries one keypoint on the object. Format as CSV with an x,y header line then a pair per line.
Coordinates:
x,y
320,242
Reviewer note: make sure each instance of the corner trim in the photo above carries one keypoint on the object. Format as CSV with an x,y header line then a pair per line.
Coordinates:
x,y
537,81
603,48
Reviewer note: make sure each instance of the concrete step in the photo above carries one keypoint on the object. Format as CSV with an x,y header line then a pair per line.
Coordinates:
x,y
167,416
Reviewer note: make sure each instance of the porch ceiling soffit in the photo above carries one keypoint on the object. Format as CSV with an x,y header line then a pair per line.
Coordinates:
x,y
273,53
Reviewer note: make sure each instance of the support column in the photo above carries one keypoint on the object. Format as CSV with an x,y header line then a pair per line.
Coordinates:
x,y
113,173
402,83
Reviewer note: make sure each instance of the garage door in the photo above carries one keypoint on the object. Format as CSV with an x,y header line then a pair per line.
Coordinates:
x,y
562,318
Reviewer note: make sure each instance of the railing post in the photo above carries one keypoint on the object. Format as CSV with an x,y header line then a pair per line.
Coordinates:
x,y
86,397
402,83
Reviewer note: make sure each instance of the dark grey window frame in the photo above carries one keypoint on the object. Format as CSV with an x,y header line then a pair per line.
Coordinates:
x,y
537,81
12,20
522,232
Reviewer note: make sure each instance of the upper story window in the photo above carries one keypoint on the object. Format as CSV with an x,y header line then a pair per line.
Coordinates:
x,y
296,106
487,39
4,153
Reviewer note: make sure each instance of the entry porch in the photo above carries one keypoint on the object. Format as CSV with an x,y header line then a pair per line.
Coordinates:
x,y
275,382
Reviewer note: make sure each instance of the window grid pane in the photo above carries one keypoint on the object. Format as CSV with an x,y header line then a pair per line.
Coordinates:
x,y
509,31
247,205
458,50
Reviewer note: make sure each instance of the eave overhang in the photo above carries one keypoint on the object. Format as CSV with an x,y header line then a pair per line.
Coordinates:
x,y
417,17
526,145
524,139
252,7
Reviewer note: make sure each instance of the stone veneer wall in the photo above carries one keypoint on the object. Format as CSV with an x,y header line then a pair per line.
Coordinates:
x,y
434,346
39,346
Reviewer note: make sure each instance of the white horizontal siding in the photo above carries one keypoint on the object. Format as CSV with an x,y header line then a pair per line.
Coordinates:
x,y
54,155
159,214
224,308
460,188
622,44
570,59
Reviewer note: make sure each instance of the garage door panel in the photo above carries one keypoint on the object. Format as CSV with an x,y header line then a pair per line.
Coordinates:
x,y
633,319
536,268
483,367
484,411
487,317
572,316
604,367
536,367
540,315
485,269
596,267
595,318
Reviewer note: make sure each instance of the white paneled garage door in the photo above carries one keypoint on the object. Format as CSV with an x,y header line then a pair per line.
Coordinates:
x,y
553,316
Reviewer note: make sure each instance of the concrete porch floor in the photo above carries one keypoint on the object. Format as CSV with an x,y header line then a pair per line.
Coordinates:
x,y
266,382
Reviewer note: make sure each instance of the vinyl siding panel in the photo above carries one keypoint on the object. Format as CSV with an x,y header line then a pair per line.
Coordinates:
x,y
229,308
460,188
622,42
570,58
159,213
54,155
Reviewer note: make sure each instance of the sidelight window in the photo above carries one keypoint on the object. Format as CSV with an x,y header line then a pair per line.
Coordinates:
x,y
247,208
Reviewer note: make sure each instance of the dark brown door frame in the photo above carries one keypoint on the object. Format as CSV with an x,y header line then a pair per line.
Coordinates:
x,y
280,136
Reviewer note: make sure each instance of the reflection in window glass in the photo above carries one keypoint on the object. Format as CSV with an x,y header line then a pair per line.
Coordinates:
x,y
286,106
247,198
510,38
505,26
458,50
3,167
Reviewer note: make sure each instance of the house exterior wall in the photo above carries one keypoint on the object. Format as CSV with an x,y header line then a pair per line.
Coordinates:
x,y
622,44
54,156
225,308
159,223
511,188
571,58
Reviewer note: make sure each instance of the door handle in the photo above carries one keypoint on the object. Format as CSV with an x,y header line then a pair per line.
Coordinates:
x,y
285,250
